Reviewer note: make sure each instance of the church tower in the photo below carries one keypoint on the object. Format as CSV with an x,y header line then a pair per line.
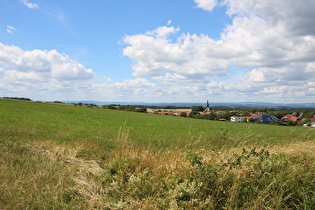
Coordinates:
x,y
208,109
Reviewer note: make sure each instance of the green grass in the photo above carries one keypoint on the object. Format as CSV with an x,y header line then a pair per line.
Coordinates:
x,y
66,123
64,156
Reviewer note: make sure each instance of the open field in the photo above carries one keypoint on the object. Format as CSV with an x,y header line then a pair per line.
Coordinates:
x,y
171,110
62,156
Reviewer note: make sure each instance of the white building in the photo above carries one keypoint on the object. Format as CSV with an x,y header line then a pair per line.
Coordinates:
x,y
237,119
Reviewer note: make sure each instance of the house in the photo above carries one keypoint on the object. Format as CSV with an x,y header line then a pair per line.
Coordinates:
x,y
263,113
255,119
176,113
313,121
288,118
268,119
255,115
237,119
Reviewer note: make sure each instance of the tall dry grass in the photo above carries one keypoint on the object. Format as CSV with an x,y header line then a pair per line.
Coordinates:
x,y
43,174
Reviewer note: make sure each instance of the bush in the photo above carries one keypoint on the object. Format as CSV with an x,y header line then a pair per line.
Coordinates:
x,y
110,107
193,114
251,120
291,123
183,114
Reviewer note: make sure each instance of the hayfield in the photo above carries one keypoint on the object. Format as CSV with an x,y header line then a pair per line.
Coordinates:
x,y
171,110
62,156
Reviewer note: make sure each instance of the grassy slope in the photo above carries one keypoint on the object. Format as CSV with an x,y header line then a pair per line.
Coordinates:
x,y
84,157
64,123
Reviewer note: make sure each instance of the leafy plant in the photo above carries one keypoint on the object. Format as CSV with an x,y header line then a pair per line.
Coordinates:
x,y
194,159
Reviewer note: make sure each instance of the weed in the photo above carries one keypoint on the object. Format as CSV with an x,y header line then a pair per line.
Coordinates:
x,y
194,159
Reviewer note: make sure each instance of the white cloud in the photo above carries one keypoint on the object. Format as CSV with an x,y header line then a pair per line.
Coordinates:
x,y
154,53
129,90
162,32
37,71
46,64
206,4
10,29
30,5
298,18
272,43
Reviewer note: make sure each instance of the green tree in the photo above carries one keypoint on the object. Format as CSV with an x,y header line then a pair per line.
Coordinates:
x,y
251,120
223,115
252,110
197,108
291,123
246,113
110,107
278,115
193,114
183,114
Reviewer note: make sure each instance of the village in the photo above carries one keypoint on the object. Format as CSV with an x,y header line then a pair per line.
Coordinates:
x,y
254,116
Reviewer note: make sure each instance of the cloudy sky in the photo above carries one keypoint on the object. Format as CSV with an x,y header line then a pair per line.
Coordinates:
x,y
158,50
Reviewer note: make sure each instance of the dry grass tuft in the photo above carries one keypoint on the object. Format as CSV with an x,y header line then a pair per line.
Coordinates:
x,y
43,174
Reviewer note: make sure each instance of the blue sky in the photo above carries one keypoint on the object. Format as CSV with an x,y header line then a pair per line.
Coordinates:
x,y
158,51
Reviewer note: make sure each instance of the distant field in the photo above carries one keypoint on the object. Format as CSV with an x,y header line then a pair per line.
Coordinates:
x,y
171,110
65,156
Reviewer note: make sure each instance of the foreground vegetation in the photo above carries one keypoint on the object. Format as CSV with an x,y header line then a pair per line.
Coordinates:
x,y
62,156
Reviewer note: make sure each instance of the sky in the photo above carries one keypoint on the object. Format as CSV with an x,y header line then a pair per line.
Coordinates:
x,y
158,50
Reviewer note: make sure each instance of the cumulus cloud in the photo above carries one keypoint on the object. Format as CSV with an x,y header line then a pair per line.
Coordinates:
x,y
297,18
29,5
206,4
154,53
45,64
39,70
271,42
138,89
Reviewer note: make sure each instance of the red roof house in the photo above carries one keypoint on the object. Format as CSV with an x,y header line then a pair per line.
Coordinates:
x,y
288,118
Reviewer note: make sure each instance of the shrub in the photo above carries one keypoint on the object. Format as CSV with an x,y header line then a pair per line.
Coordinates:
x,y
291,123
251,120
110,107
183,114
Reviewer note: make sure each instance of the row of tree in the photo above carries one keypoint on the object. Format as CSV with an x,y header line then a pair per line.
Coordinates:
x,y
18,98
130,108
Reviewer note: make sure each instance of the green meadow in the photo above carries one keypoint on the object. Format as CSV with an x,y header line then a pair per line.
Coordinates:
x,y
64,156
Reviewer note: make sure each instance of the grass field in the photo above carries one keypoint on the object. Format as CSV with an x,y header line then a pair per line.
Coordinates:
x,y
64,156
171,110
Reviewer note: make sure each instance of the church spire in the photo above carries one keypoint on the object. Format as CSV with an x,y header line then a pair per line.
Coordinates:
x,y
208,109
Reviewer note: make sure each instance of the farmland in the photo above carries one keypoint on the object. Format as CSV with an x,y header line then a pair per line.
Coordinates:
x,y
65,156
